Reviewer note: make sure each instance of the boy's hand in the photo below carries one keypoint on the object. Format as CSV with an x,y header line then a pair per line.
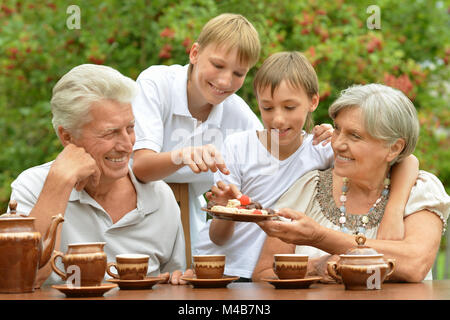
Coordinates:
x,y
322,133
201,159
223,192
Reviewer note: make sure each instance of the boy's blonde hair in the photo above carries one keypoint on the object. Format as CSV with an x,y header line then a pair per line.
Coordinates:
x,y
233,31
293,67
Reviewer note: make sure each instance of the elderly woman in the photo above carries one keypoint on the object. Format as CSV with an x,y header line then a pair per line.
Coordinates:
x,y
91,182
375,127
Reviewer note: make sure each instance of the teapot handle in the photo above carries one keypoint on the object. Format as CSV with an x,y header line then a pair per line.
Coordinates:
x,y
58,271
332,269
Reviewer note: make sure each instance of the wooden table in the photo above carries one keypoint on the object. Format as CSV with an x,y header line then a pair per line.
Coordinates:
x,y
427,290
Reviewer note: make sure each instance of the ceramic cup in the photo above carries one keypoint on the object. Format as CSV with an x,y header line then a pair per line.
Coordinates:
x,y
209,266
84,263
290,266
131,266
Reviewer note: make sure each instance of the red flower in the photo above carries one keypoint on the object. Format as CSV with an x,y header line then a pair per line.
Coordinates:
x,y
307,19
165,52
373,44
167,33
8,11
13,53
187,42
312,51
402,83
305,31
96,60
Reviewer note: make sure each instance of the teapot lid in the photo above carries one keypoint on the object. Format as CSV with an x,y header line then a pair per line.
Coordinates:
x,y
361,249
13,214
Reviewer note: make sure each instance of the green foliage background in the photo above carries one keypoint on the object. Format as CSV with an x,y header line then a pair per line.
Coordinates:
x,y
411,52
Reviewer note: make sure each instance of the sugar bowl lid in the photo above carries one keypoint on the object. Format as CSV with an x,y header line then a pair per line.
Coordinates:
x,y
361,249
13,214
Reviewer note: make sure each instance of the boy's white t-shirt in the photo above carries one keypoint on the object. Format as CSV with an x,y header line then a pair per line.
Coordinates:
x,y
164,123
264,179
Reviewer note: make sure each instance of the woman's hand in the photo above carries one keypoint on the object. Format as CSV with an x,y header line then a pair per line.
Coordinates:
x,y
223,192
317,267
301,230
200,159
322,133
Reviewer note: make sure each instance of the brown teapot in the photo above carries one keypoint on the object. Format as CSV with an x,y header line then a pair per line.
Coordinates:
x,y
22,251
361,268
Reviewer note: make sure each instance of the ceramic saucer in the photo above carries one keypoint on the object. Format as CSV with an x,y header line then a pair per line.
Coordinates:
x,y
292,283
84,292
210,283
146,283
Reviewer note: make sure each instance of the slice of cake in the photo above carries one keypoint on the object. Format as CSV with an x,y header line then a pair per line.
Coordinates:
x,y
243,205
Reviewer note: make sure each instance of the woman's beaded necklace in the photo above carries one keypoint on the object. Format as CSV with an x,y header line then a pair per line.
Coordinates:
x,y
364,219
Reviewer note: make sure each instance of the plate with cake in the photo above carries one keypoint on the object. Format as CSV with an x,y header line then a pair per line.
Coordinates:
x,y
242,209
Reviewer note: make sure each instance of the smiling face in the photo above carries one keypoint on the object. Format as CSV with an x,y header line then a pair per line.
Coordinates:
x,y
357,154
217,73
109,138
284,114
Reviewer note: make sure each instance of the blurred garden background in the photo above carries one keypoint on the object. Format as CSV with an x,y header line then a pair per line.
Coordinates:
x,y
40,41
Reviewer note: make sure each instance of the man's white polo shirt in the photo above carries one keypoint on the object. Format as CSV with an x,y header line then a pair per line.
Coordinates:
x,y
153,228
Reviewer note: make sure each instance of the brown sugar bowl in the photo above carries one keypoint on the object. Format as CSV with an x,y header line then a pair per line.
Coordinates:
x,y
361,268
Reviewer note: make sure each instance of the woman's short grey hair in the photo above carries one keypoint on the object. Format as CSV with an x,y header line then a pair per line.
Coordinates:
x,y
74,94
388,114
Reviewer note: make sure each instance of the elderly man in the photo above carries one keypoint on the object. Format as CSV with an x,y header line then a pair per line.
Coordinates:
x,y
91,182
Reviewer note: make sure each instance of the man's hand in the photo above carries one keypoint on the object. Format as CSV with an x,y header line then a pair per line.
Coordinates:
x,y
77,166
175,279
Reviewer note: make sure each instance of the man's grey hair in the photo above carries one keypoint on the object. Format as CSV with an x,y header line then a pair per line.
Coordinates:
x,y
388,114
74,94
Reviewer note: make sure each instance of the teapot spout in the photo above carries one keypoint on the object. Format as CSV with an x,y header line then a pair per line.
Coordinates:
x,y
49,240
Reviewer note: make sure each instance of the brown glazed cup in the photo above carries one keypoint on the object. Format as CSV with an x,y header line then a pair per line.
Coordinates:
x,y
130,266
290,266
209,266
84,264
